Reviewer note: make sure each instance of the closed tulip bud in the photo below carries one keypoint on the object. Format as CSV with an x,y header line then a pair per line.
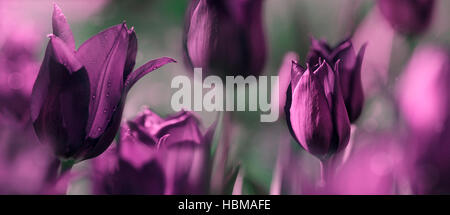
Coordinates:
x,y
166,156
315,110
407,16
78,97
349,71
225,37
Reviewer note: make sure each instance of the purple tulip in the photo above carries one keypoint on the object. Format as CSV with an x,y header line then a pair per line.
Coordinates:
x,y
114,175
225,37
156,156
349,71
424,101
315,110
408,16
79,95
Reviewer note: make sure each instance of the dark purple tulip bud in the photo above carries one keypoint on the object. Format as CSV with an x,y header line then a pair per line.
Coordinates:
x,y
423,90
315,110
166,156
225,37
349,71
408,16
79,95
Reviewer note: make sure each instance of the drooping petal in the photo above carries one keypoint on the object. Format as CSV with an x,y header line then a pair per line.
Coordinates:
x,y
145,69
60,99
104,56
61,28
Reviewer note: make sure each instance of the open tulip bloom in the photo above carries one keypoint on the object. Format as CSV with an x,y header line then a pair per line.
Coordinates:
x,y
79,95
156,156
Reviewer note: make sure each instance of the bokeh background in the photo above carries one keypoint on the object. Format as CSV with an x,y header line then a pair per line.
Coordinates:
x,y
256,148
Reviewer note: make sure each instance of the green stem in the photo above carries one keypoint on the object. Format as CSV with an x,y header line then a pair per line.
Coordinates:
x,y
66,166
326,171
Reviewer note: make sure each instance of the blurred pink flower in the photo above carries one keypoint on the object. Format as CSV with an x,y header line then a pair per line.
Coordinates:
x,y
408,16
156,156
424,101
26,167
372,168
376,32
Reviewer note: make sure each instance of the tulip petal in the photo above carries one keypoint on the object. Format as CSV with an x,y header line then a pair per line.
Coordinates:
x,y
287,112
96,147
310,115
131,53
134,151
319,50
341,119
296,72
61,28
145,69
326,78
182,127
104,56
197,34
355,103
60,99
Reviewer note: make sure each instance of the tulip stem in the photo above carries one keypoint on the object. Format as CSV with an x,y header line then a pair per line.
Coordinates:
x,y
325,171
66,166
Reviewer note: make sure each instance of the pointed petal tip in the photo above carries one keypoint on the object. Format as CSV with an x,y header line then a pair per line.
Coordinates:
x,y
169,59
363,48
131,30
56,8
172,60
57,11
